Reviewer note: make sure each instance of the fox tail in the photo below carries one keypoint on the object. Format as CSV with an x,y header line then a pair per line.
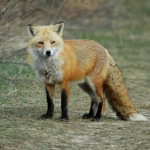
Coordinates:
x,y
118,97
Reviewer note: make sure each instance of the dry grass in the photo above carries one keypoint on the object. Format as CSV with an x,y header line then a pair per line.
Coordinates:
x,y
23,101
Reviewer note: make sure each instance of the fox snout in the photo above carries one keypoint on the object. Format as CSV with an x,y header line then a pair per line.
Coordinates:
x,y
48,53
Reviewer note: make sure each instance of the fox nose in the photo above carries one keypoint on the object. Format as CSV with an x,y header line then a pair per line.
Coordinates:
x,y
48,53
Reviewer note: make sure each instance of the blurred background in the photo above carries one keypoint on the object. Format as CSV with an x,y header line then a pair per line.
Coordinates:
x,y
80,17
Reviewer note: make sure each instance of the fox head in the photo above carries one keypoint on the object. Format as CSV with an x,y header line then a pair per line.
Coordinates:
x,y
46,41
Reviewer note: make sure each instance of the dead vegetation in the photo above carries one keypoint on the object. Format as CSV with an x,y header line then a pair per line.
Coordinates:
x,y
78,16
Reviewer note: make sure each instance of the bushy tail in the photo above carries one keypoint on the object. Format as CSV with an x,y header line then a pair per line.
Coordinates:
x,y
118,97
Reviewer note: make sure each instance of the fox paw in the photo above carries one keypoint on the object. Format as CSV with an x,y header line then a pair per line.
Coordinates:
x,y
46,116
87,116
96,118
64,118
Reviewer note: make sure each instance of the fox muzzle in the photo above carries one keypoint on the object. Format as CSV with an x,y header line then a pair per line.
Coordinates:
x,y
48,53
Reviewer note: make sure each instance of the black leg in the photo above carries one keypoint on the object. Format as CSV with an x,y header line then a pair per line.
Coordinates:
x,y
50,107
64,106
99,112
90,114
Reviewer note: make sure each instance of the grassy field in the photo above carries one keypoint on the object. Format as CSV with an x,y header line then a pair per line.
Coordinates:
x,y
23,100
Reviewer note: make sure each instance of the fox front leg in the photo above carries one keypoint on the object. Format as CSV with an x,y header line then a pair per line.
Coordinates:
x,y
50,93
64,100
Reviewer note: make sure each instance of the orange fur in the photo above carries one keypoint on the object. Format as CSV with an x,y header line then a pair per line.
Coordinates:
x,y
117,94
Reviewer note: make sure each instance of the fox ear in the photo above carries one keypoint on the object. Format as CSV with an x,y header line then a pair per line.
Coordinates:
x,y
58,27
31,30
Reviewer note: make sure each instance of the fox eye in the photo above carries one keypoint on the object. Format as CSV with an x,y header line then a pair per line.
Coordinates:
x,y
41,43
52,42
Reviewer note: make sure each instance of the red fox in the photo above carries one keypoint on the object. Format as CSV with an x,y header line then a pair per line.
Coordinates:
x,y
58,61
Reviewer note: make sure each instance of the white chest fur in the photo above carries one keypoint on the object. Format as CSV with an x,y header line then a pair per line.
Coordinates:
x,y
48,69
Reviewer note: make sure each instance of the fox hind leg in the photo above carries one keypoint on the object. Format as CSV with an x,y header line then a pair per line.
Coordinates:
x,y
90,114
99,112
95,108
101,106
102,96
